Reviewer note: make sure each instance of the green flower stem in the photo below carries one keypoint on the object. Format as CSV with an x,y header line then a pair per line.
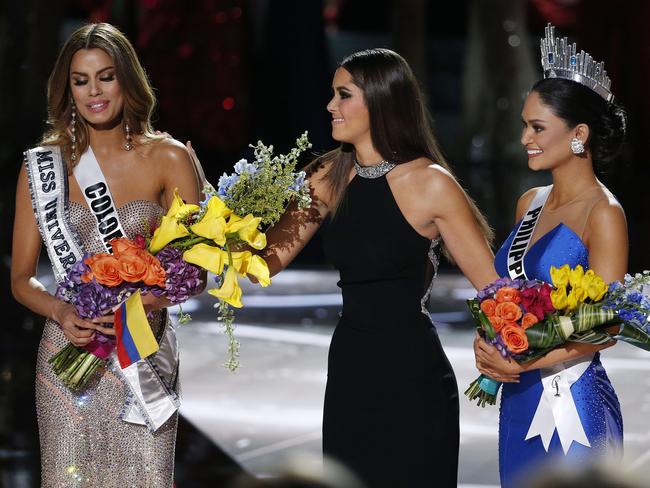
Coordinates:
x,y
74,366
227,317
185,245
183,318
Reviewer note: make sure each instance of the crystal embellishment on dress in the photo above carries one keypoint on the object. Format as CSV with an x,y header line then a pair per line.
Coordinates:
x,y
375,171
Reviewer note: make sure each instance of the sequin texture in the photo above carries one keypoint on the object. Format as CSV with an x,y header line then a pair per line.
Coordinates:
x,y
83,440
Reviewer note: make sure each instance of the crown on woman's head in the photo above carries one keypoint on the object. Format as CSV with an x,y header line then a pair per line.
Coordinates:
x,y
559,60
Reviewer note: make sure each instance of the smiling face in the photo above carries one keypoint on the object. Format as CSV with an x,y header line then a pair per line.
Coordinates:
x,y
350,117
546,137
94,87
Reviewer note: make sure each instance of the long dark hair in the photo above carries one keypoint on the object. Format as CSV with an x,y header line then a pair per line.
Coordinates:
x,y
400,124
577,104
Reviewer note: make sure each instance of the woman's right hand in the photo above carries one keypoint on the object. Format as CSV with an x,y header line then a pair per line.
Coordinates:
x,y
76,329
490,362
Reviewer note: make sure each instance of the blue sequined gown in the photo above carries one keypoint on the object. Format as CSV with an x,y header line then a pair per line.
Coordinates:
x,y
594,396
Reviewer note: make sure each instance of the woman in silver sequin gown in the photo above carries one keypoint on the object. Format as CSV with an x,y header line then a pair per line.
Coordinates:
x,y
83,440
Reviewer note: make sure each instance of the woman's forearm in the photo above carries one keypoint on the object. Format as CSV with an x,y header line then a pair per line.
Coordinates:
x,y
31,293
570,351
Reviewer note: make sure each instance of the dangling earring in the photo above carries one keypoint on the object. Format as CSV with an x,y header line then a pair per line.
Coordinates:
x,y
128,145
73,130
577,147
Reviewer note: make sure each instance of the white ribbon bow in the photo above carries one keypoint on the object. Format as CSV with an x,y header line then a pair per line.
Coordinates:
x,y
557,409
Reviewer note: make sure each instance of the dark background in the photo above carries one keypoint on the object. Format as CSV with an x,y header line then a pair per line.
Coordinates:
x,y
230,72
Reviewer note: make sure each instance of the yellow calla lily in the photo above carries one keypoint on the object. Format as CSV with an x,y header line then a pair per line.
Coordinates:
x,y
211,228
207,257
240,261
560,276
247,263
258,268
179,209
252,236
246,230
230,292
559,298
594,285
169,230
213,223
217,208
576,275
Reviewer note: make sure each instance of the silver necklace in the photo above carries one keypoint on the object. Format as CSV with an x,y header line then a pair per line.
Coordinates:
x,y
374,171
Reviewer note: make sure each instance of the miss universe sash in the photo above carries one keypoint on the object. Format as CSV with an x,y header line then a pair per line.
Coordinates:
x,y
48,184
556,409
521,240
152,398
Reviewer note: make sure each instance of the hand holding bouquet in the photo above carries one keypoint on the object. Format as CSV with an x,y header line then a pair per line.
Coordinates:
x,y
525,319
215,234
98,283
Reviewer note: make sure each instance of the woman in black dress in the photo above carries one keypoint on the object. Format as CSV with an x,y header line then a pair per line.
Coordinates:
x,y
391,403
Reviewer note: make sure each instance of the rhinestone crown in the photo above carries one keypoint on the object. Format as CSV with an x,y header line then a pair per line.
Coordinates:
x,y
559,60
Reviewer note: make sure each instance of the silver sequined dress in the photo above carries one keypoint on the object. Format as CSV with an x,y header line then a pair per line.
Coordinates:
x,y
83,440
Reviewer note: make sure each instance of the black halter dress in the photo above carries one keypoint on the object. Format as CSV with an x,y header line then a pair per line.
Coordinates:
x,y
391,403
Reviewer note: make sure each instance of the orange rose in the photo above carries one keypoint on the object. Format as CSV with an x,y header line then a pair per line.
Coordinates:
x,y
123,245
514,338
155,273
104,268
132,266
488,306
497,322
529,319
508,294
508,311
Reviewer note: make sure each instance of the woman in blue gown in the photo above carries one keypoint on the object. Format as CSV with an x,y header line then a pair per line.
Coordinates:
x,y
568,126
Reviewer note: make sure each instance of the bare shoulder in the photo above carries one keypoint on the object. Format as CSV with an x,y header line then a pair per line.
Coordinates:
x,y
425,177
607,213
524,201
168,151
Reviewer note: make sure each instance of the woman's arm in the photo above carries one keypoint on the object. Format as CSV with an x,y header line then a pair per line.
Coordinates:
x,y
297,226
26,289
448,209
177,172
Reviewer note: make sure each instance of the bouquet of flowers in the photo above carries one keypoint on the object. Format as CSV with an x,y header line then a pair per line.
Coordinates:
x,y
215,235
525,319
98,283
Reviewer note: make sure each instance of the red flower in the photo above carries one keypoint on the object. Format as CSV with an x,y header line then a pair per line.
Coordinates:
x,y
140,241
537,302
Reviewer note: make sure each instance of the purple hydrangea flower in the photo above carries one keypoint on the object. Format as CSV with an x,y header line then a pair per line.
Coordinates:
x,y
93,300
183,278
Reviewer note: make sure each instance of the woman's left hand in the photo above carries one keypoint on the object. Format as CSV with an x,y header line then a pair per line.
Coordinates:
x,y
490,362
152,303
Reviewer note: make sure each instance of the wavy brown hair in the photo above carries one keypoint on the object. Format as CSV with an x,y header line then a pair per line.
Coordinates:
x,y
139,99
400,124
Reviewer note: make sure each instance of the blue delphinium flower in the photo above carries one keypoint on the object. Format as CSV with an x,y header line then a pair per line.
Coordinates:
x,y
299,182
243,166
225,183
